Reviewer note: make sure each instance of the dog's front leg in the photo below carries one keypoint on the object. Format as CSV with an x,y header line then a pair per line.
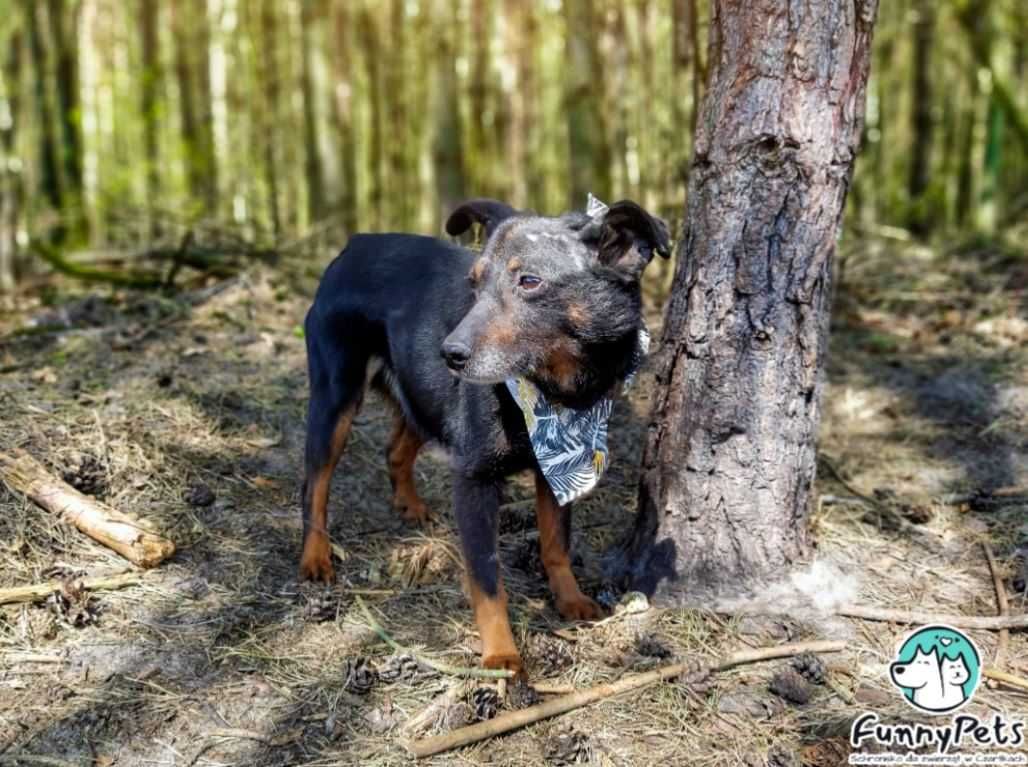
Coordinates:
x,y
554,522
476,505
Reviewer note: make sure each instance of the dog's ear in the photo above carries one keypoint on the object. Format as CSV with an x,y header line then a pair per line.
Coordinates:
x,y
488,213
628,236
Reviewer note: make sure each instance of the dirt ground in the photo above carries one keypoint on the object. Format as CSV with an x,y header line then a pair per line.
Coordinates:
x,y
188,411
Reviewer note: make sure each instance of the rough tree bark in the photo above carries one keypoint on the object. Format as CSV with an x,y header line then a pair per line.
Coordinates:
x,y
730,458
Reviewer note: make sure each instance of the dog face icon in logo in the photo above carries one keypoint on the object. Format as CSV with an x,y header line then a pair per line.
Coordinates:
x,y
937,669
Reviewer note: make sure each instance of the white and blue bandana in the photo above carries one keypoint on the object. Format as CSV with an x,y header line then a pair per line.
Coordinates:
x,y
571,444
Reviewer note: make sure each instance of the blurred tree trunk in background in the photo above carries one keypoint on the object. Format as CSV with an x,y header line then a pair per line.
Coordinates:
x,y
922,123
589,153
343,104
729,465
310,16
10,173
180,24
64,27
150,81
268,66
50,174
204,143
975,14
400,198
371,38
447,149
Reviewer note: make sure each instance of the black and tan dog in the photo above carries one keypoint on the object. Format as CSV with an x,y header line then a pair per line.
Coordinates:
x,y
556,300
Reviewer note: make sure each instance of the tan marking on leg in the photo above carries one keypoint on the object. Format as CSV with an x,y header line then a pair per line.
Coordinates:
x,y
571,602
403,451
514,264
498,648
316,559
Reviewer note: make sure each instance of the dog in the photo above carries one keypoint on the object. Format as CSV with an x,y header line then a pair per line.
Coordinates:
x,y
439,330
936,681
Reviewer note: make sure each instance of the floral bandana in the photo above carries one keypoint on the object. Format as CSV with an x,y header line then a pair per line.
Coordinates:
x,y
571,444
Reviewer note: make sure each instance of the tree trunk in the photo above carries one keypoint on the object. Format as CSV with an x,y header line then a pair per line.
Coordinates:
x,y
921,147
343,102
50,173
180,24
150,79
447,143
10,177
315,177
372,39
588,147
207,159
269,69
64,17
729,465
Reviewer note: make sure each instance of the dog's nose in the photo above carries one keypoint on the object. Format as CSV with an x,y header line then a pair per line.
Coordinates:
x,y
899,669
456,354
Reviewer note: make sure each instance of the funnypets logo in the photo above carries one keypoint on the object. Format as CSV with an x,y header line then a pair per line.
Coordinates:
x,y
937,670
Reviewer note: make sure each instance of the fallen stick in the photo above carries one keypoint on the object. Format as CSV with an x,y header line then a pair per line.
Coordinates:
x,y
38,591
1005,678
120,532
1001,606
984,622
512,720
442,668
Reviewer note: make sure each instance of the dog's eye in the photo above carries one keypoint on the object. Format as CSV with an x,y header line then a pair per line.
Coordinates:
x,y
529,281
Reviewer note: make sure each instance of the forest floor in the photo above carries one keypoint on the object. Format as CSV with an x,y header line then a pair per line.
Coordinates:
x,y
188,410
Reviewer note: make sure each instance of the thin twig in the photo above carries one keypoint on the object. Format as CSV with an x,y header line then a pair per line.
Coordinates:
x,y
442,668
984,622
38,591
1001,605
1005,678
514,719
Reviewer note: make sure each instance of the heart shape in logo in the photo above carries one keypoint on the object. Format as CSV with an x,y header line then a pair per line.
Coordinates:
x,y
945,641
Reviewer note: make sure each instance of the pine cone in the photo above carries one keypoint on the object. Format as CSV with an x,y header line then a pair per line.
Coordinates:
x,y
359,676
521,695
811,667
402,668
87,474
696,677
791,686
566,747
650,646
320,606
200,495
485,702
549,655
72,605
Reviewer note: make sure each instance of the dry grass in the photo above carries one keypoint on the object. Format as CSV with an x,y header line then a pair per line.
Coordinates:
x,y
220,657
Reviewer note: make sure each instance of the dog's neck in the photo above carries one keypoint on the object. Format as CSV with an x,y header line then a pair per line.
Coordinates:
x,y
603,366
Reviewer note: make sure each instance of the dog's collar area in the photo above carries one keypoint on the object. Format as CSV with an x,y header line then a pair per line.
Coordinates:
x,y
570,444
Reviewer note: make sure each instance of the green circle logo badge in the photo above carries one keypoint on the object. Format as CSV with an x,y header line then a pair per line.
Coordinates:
x,y
937,669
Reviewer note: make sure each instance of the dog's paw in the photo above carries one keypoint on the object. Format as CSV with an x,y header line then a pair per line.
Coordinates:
x,y
579,608
316,563
504,660
414,512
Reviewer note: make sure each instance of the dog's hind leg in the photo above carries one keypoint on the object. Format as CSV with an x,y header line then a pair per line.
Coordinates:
x,y
554,522
337,387
476,506
404,445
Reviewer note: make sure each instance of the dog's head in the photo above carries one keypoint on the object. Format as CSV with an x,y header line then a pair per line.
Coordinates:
x,y
920,670
556,299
